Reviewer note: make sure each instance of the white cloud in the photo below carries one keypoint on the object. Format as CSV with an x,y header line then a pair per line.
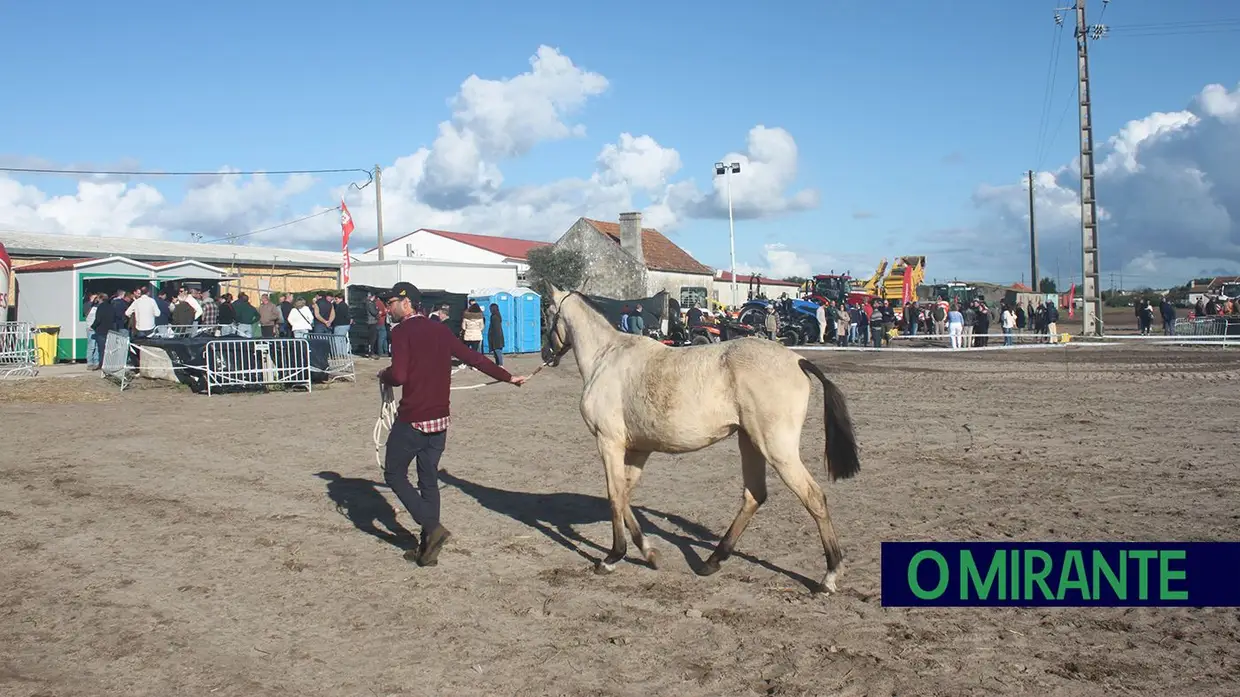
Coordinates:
x,y
455,183
96,208
639,161
1168,203
781,261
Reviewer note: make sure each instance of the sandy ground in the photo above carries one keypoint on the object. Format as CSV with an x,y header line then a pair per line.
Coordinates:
x,y
157,542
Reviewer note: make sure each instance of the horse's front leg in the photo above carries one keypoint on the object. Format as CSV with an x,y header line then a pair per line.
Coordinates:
x,y
617,496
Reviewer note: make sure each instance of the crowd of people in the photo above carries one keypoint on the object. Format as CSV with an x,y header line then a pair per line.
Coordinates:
x,y
873,324
474,325
144,312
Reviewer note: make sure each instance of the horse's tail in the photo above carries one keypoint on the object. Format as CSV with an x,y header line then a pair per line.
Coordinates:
x,y
841,456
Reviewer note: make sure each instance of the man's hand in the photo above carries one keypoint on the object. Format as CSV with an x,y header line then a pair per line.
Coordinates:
x,y
518,380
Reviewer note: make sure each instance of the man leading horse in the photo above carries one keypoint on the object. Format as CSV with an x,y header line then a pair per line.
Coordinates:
x,y
422,352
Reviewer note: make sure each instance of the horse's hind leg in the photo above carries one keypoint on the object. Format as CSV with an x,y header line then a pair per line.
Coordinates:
x,y
634,465
618,497
753,471
786,459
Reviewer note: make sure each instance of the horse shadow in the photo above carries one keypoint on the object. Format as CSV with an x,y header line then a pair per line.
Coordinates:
x,y
364,505
555,515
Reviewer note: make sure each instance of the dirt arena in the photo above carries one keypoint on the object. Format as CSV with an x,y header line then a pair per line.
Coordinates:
x,y
162,543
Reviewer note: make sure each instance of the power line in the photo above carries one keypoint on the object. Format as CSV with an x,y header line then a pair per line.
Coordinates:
x,y
1229,21
1049,85
1049,143
1201,26
1185,32
135,173
325,211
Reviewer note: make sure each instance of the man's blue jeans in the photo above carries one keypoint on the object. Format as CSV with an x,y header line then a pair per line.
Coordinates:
x,y
405,445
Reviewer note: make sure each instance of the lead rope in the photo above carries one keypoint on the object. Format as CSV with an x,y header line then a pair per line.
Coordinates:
x,y
387,410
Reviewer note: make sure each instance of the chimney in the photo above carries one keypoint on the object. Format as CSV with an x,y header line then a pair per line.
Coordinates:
x,y
631,235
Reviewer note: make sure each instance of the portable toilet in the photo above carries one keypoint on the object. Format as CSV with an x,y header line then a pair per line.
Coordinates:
x,y
528,311
503,298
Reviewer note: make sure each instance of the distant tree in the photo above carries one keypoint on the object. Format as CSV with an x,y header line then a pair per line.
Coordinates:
x,y
563,268
799,280
1047,285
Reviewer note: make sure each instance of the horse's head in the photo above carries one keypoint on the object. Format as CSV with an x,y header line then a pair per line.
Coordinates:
x,y
557,343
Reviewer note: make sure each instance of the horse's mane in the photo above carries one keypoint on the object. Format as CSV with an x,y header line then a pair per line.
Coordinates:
x,y
591,303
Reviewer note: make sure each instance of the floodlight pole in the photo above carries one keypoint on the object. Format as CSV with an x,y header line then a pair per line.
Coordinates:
x,y
727,171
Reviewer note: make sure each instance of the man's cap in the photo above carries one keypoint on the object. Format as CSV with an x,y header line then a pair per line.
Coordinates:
x,y
404,289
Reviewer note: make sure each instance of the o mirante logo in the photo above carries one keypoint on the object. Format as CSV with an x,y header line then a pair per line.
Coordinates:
x,y
973,574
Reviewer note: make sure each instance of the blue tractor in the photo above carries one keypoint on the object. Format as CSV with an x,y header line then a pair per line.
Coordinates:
x,y
798,319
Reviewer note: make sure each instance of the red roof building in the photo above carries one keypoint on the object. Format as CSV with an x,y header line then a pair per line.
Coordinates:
x,y
661,254
426,242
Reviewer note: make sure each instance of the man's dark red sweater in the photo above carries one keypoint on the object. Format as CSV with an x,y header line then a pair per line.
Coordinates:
x,y
422,352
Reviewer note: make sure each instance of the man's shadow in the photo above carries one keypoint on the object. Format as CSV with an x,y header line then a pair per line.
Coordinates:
x,y
363,504
555,514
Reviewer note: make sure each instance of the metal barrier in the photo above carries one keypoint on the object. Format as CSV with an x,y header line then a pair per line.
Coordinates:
x,y
19,354
340,363
114,365
1220,326
257,363
181,331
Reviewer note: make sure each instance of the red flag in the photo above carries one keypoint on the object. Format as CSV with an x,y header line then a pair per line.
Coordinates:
x,y
346,222
6,265
346,228
906,296
1071,305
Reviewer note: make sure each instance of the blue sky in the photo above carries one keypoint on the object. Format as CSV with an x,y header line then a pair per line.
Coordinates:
x,y
900,110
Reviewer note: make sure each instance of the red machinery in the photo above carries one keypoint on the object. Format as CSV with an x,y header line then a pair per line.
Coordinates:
x,y
835,287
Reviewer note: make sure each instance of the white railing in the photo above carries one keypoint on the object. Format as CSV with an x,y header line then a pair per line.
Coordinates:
x,y
1209,326
340,362
114,365
181,331
19,355
257,363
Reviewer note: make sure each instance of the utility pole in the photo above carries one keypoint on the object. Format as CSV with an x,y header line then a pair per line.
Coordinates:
x,y
727,171
379,208
1033,240
1091,311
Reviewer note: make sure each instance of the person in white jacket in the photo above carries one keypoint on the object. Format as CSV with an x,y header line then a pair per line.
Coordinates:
x,y
300,319
1008,320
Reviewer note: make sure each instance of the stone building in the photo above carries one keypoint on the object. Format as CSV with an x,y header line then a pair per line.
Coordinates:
x,y
625,260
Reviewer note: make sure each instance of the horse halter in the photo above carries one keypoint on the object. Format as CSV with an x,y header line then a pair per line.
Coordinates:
x,y
565,345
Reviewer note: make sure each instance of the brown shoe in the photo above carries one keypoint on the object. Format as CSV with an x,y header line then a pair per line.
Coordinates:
x,y
432,543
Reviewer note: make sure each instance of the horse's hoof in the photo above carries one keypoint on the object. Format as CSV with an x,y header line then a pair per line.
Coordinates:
x,y
709,568
602,568
652,558
828,584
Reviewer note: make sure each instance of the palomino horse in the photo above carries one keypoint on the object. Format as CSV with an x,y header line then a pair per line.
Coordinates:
x,y
641,397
